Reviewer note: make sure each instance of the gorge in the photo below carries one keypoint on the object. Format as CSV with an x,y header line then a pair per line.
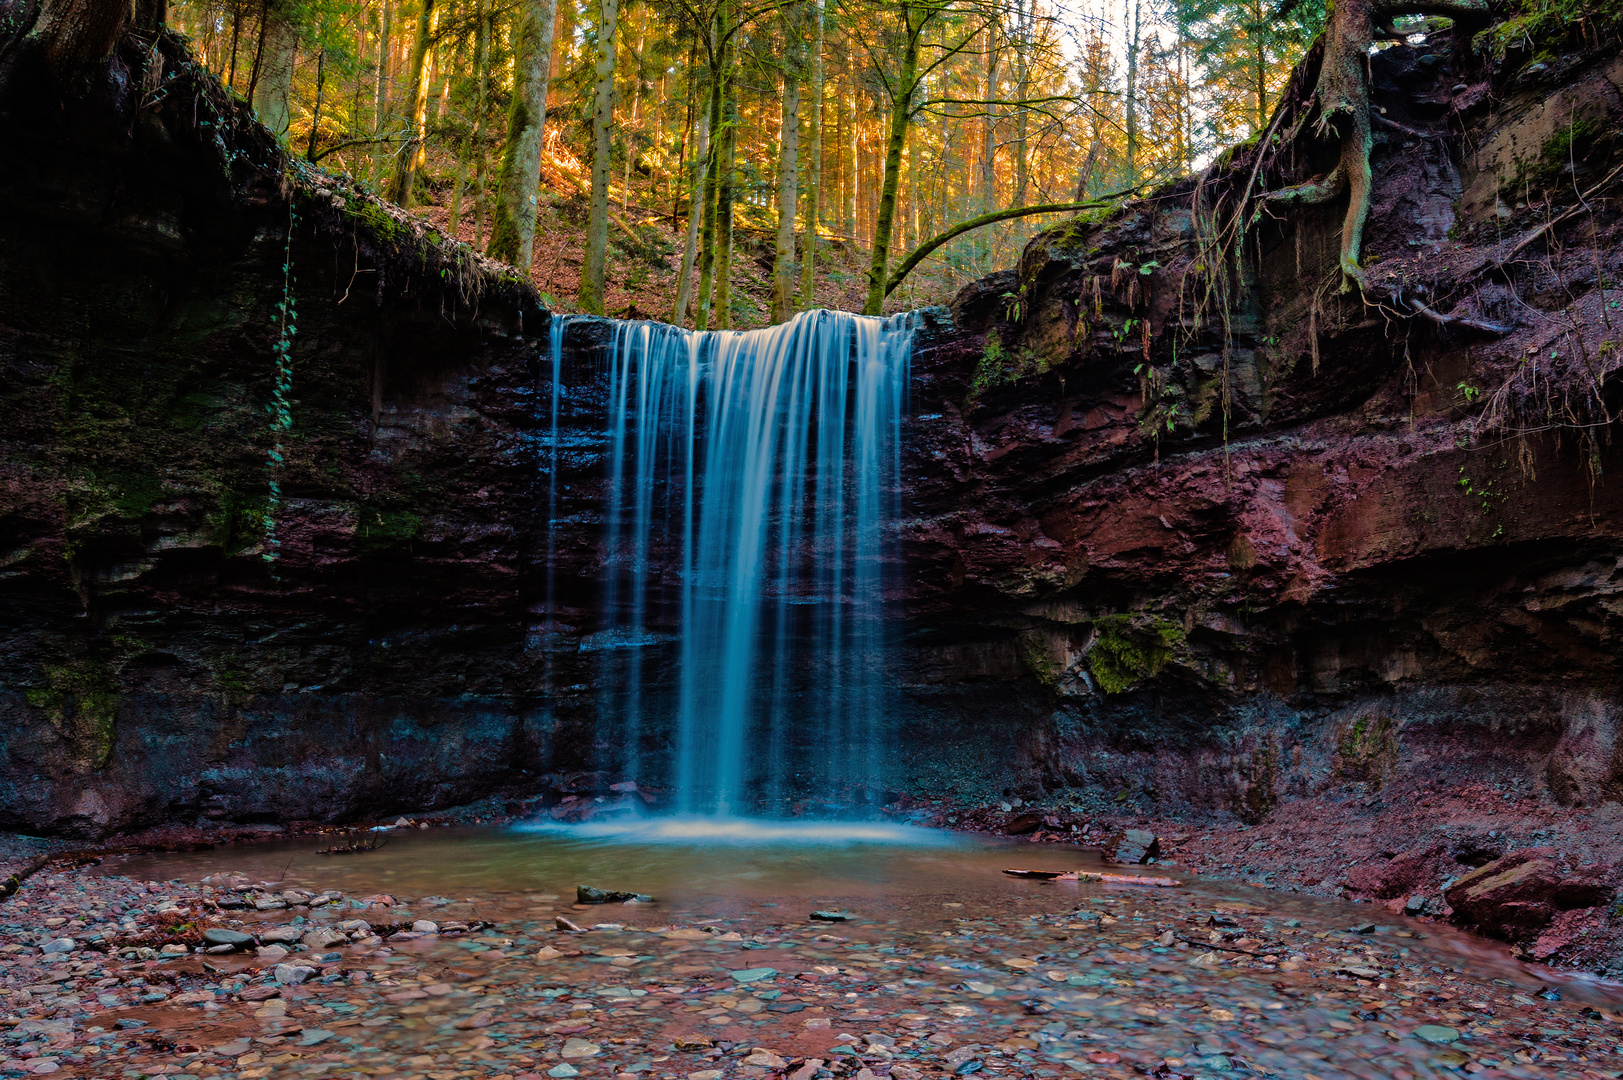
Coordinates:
x,y
1165,529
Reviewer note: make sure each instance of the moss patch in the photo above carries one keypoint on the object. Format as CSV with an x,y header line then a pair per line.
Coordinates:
x,y
80,701
1127,649
1367,748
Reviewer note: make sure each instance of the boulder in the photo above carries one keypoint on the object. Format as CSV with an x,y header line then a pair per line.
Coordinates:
x,y
1131,846
1403,875
1515,897
586,894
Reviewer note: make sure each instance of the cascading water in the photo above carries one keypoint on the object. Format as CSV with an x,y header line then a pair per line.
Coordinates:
x,y
750,493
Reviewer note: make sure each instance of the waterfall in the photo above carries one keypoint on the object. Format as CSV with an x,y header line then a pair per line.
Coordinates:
x,y
750,491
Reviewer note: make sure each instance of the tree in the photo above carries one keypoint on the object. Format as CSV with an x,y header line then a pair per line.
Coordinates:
x,y
1343,102
272,79
590,298
783,262
814,161
512,227
413,155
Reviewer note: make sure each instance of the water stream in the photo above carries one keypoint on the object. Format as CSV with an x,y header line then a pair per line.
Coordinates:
x,y
749,494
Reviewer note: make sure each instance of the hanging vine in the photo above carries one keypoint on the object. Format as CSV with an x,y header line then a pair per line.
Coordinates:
x,y
280,413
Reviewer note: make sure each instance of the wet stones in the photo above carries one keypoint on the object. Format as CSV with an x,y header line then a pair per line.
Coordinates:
x,y
1131,846
234,939
586,894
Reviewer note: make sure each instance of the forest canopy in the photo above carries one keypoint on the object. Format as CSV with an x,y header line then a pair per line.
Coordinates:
x,y
743,159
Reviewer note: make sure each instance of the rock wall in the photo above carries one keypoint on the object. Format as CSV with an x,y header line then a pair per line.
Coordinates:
x,y
1248,539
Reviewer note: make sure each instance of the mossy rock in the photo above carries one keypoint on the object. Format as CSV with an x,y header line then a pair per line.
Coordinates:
x,y
80,701
1367,748
1129,649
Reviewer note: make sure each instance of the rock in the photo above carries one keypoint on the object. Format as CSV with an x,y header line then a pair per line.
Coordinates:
x,y
1401,875
563,1069
831,916
271,953
234,939
60,945
322,937
425,926
1415,905
1023,825
313,1036
281,935
808,1070
563,922
586,894
481,1019
1517,896
749,975
294,974
173,949
763,1058
1435,1033
579,1048
1131,846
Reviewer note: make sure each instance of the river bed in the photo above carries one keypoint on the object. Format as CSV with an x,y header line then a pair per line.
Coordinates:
x,y
942,965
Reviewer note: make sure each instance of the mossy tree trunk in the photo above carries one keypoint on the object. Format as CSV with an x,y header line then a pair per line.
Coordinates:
x,y
914,17
413,156
590,297
512,233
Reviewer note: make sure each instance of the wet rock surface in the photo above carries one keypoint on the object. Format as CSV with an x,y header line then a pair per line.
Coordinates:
x,y
1071,981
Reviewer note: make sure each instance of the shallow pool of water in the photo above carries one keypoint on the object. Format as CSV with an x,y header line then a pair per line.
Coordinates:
x,y
960,966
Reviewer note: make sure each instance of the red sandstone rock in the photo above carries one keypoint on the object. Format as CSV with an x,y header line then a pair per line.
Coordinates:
x,y
1517,896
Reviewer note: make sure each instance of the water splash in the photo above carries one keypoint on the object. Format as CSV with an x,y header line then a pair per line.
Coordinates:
x,y
750,495
706,831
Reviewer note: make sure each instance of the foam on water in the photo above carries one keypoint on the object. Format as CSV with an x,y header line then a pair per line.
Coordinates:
x,y
705,831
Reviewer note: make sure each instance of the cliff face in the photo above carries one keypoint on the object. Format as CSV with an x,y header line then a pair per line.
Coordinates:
x,y
1179,541
1259,539
155,666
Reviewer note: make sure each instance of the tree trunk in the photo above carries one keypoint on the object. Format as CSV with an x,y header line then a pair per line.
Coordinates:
x,y
783,265
481,61
512,218
380,122
712,169
590,297
849,179
315,115
988,184
414,155
74,34
1131,11
684,282
901,115
1022,91
725,190
273,85
814,163
631,128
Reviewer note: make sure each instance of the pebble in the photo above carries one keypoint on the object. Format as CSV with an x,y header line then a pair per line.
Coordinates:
x,y
1104,986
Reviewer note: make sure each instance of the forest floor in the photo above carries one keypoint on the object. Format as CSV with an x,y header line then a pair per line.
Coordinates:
x,y
104,976
642,281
